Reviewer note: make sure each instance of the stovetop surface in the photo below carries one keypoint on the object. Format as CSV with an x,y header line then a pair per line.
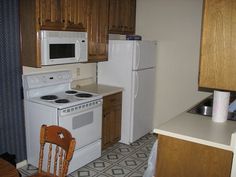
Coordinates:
x,y
65,98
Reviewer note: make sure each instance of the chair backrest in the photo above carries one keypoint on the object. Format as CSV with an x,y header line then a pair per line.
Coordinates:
x,y
60,144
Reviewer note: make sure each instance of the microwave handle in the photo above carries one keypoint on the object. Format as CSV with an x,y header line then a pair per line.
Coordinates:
x,y
77,50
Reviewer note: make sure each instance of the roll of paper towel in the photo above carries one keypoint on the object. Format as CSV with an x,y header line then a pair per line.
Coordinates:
x,y
220,106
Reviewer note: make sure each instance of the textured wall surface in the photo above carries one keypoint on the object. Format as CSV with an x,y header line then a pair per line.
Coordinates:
x,y
12,131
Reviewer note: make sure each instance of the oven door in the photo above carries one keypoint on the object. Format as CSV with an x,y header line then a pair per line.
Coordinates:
x,y
84,126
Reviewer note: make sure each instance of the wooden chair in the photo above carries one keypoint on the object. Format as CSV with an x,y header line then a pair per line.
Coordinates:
x,y
61,145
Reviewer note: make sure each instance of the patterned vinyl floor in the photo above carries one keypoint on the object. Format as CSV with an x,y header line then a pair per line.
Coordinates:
x,y
120,160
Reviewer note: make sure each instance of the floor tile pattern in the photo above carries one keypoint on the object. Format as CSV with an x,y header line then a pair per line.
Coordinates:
x,y
120,160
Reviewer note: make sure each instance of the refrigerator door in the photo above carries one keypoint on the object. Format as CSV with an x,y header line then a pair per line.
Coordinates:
x,y
143,103
144,55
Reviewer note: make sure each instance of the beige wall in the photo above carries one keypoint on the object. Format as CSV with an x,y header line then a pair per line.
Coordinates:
x,y
82,73
176,25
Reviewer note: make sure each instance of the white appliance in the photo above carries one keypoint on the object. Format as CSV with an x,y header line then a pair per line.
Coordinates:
x,y
50,100
131,65
60,47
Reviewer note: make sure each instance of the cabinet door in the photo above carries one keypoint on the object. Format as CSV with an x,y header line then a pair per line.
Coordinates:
x,y
114,16
51,14
116,133
128,16
122,16
218,51
111,126
98,30
111,123
105,129
76,15
179,158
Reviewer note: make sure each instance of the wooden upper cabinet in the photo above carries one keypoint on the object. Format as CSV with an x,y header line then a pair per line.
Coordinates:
x,y
122,16
62,14
218,51
98,30
76,14
51,14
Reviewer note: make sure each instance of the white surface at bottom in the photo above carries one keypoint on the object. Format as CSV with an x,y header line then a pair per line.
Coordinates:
x,y
85,155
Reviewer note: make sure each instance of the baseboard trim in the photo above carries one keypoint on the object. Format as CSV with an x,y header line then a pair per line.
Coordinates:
x,y
21,164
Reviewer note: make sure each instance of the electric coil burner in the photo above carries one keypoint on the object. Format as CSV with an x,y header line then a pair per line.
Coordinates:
x,y
62,101
71,92
84,95
49,99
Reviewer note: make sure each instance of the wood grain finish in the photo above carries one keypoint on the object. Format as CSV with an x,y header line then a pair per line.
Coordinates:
x,y
179,158
7,169
52,14
218,51
111,122
29,29
122,15
98,30
76,15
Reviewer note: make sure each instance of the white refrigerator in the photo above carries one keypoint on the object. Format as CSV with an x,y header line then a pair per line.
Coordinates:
x,y
131,65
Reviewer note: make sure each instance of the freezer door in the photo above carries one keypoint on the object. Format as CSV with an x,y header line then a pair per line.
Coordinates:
x,y
143,94
144,55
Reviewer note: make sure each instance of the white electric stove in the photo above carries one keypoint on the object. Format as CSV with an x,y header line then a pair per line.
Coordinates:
x,y
49,99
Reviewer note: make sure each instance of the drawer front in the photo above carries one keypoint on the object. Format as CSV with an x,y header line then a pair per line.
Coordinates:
x,y
112,100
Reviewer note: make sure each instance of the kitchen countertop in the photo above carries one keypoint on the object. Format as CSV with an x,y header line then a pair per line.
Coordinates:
x,y
200,129
100,89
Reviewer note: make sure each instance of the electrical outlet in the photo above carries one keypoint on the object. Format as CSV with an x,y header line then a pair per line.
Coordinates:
x,y
78,71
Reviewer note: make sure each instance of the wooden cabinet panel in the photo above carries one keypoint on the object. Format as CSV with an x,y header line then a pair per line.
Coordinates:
x,y
122,16
76,15
218,51
111,123
179,158
114,16
29,28
52,14
98,30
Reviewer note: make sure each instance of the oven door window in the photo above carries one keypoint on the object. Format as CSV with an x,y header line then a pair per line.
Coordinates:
x,y
58,51
82,120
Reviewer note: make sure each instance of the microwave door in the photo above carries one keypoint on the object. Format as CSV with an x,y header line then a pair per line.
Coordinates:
x,y
59,52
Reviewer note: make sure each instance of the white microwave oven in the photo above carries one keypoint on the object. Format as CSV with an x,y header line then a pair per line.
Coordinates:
x,y
61,47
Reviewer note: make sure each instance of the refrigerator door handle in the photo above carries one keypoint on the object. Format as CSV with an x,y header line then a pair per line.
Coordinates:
x,y
136,87
138,56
